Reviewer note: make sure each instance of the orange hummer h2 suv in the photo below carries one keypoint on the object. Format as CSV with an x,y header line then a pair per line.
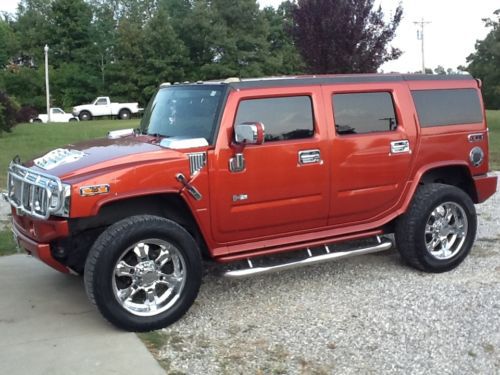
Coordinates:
x,y
238,170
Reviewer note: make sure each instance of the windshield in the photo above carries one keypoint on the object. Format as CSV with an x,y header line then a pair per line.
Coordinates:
x,y
183,111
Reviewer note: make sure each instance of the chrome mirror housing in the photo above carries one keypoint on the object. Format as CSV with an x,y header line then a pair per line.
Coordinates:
x,y
249,133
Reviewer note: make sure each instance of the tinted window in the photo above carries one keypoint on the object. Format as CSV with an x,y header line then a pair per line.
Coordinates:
x,y
183,111
363,113
283,118
447,107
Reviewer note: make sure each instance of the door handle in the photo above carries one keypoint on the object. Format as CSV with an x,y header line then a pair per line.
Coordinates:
x,y
400,147
310,157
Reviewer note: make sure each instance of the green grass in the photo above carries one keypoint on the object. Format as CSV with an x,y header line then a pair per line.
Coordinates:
x,y
494,126
32,140
7,245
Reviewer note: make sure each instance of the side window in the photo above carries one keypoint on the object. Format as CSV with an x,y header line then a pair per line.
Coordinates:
x,y
102,102
360,113
283,118
447,107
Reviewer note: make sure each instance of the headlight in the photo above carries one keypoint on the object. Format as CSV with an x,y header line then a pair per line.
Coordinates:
x,y
59,204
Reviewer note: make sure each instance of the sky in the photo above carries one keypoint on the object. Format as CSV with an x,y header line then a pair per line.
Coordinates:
x,y
449,37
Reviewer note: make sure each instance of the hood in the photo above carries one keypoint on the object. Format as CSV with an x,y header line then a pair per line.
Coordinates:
x,y
91,156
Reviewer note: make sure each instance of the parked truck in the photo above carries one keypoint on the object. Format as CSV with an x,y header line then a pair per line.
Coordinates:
x,y
239,170
102,106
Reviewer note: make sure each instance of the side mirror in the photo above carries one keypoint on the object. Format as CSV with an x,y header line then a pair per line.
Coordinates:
x,y
251,133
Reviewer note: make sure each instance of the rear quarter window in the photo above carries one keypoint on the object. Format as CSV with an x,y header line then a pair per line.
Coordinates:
x,y
447,107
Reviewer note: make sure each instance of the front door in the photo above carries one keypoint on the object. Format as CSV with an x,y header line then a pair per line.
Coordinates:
x,y
284,186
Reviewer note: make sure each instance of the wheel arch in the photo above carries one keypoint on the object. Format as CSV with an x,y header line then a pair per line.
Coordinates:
x,y
457,175
167,205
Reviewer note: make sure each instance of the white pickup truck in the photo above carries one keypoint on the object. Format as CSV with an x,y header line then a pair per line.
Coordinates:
x,y
102,106
56,115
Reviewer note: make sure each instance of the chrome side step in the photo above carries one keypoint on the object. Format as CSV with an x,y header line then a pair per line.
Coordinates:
x,y
312,259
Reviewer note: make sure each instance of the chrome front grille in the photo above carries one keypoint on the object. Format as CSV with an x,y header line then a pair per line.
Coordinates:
x,y
197,161
34,193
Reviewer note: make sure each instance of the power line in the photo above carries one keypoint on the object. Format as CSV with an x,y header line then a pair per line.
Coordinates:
x,y
420,36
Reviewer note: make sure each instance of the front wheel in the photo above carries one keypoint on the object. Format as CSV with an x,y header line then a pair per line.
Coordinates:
x,y
85,116
143,273
438,230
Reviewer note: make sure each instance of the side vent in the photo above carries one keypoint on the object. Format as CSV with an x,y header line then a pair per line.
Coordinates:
x,y
197,160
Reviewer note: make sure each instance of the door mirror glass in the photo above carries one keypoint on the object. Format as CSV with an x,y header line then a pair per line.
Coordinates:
x,y
249,133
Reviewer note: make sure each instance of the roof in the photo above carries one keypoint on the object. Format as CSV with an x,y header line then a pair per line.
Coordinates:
x,y
284,81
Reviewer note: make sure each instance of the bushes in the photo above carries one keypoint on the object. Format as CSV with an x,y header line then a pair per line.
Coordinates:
x,y
8,111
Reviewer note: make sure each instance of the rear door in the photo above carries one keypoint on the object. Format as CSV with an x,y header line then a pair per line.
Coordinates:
x,y
284,187
372,148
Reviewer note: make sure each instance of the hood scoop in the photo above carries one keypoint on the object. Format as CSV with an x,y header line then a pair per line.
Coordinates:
x,y
58,157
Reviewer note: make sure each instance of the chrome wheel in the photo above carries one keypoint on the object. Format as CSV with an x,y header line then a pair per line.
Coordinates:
x,y
446,230
149,277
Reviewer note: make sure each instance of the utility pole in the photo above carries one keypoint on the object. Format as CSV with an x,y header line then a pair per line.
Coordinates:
x,y
420,36
46,50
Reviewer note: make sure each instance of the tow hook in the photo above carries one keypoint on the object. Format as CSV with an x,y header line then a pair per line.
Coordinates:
x,y
190,188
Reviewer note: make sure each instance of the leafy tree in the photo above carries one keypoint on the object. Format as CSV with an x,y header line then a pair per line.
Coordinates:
x,y
344,36
70,31
8,43
484,63
284,57
32,28
8,111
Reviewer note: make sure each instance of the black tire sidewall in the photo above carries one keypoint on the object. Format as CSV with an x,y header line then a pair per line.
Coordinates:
x,y
111,245
447,194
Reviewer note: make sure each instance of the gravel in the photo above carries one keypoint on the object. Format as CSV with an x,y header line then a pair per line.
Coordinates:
x,y
368,314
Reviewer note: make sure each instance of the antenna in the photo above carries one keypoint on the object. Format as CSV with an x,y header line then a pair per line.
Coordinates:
x,y
420,36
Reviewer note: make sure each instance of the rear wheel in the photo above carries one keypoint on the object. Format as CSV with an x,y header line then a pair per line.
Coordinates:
x,y
438,231
143,273
124,114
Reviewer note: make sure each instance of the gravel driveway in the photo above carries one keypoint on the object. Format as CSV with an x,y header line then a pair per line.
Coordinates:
x,y
368,314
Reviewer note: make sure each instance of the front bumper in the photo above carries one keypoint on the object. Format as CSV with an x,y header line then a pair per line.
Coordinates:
x,y
34,237
486,186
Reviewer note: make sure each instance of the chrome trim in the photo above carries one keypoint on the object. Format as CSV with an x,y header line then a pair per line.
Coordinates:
x,y
310,157
115,134
476,151
400,147
179,143
237,163
197,160
476,137
308,261
32,192
190,188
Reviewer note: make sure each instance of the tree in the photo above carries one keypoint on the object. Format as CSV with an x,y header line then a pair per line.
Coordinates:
x,y
284,57
8,111
8,43
484,63
344,36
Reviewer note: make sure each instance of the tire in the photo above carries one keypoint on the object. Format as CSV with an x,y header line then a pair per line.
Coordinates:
x,y
438,230
142,288
72,120
37,121
124,114
85,116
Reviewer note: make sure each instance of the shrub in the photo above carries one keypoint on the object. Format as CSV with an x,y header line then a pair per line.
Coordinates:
x,y
25,114
8,112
